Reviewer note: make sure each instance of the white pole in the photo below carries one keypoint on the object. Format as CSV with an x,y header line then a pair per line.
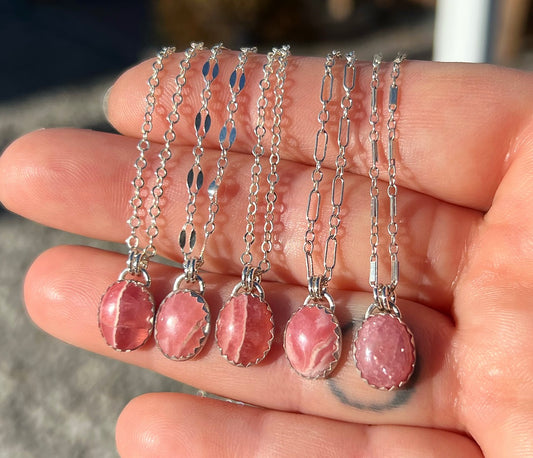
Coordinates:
x,y
462,31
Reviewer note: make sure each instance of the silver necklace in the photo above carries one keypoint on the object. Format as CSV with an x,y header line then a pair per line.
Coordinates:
x,y
126,311
312,338
183,319
247,310
384,348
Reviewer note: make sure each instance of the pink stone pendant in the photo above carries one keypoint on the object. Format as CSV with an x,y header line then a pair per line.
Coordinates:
x,y
312,341
182,324
245,329
126,315
384,351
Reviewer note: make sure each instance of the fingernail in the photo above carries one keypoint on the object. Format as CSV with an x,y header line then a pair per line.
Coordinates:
x,y
105,103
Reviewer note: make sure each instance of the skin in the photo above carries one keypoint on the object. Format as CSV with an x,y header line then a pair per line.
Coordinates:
x,y
465,138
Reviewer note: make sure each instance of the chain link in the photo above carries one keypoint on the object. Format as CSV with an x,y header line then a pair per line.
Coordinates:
x,y
319,154
392,189
227,137
273,176
195,177
337,185
280,56
374,170
165,154
134,222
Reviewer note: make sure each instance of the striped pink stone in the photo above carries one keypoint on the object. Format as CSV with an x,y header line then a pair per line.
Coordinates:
x,y
312,341
245,329
384,351
126,315
182,325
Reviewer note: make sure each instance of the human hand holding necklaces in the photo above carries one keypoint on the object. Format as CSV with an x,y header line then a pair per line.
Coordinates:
x,y
465,136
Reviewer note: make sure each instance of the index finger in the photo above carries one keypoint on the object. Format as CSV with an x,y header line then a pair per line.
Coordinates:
x,y
454,120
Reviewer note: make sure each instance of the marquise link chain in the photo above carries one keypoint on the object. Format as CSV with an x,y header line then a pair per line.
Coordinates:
x,y
138,258
195,177
227,137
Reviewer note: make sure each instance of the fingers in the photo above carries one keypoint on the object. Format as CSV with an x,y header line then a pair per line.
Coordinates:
x,y
80,182
165,424
65,284
455,120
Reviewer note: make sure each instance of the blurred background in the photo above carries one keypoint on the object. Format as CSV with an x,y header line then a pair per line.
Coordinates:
x,y
59,59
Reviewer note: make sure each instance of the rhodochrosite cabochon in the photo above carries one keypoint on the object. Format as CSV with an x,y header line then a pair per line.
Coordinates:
x,y
182,324
312,341
384,351
245,329
126,315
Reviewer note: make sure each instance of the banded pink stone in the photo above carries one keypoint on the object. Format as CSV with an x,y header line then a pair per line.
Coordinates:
x,y
384,351
126,315
312,341
182,324
245,329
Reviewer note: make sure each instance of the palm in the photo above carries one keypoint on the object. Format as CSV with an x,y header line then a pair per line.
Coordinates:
x,y
464,172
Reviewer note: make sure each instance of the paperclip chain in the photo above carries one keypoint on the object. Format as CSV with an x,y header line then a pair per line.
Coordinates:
x,y
195,177
136,202
165,154
321,144
280,56
337,186
392,189
227,137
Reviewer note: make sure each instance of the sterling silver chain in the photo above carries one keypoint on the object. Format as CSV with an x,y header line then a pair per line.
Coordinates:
x,y
279,57
392,190
318,284
138,258
195,177
226,138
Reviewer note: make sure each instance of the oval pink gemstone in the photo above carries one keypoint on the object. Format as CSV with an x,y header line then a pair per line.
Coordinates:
x,y
126,315
245,329
384,351
312,341
182,324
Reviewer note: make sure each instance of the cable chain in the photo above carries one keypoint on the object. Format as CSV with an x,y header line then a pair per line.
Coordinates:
x,y
273,176
195,177
258,151
227,137
137,259
165,154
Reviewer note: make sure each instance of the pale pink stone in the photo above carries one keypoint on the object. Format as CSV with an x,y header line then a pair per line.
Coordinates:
x,y
384,351
312,341
182,325
245,329
126,315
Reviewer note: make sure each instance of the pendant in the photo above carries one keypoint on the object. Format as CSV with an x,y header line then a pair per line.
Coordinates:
x,y
384,350
182,324
312,339
183,320
126,315
245,327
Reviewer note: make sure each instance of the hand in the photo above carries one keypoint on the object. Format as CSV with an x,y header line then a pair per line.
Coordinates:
x,y
466,187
